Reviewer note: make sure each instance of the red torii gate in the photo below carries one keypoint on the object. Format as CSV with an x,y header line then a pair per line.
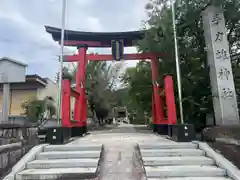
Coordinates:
x,y
83,40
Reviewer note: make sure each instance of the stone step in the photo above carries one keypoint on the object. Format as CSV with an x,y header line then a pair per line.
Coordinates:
x,y
57,173
192,178
68,154
62,163
168,146
171,161
84,147
184,171
171,152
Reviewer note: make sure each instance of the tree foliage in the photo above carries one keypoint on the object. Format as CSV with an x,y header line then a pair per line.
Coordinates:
x,y
197,98
36,110
139,85
101,78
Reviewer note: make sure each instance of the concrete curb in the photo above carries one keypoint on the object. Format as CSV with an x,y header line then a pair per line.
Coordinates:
x,y
18,144
21,164
232,171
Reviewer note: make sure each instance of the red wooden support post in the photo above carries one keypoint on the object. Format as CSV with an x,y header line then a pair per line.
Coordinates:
x,y
66,94
77,115
170,99
158,105
80,83
85,107
161,110
153,110
83,61
84,113
153,114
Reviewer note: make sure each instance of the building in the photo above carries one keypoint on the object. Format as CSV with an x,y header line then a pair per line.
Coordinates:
x,y
35,87
120,115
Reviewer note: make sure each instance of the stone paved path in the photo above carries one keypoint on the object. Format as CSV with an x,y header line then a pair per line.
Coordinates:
x,y
120,158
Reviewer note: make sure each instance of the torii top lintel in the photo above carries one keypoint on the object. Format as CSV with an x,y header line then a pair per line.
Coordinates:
x,y
95,39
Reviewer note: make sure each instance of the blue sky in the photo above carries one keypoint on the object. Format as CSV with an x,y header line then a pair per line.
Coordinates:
x,y
23,37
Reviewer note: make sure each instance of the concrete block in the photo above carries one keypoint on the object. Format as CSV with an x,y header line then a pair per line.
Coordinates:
x,y
171,152
21,164
183,171
171,161
168,146
232,171
183,132
192,178
62,163
68,154
58,173
10,176
31,155
89,147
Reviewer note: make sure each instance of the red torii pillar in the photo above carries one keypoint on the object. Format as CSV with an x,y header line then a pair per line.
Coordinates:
x,y
80,104
157,104
67,93
170,99
66,98
153,114
84,105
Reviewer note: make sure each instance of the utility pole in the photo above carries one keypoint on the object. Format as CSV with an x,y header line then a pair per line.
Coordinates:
x,y
179,83
59,95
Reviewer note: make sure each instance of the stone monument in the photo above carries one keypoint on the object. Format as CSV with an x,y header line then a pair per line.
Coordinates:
x,y
219,62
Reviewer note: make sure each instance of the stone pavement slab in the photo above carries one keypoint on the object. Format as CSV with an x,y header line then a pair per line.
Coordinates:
x,y
169,161
68,154
82,147
120,160
171,152
193,178
56,173
184,171
62,163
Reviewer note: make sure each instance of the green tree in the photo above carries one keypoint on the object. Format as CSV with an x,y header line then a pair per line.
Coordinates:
x,y
194,70
100,80
36,110
138,80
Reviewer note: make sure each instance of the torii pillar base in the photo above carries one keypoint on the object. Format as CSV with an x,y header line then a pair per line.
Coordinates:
x,y
154,127
77,131
162,129
84,128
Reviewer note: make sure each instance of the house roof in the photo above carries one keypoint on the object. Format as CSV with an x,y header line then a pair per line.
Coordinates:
x,y
31,79
13,61
36,78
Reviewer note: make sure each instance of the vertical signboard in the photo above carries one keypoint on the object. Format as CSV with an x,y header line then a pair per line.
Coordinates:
x,y
117,49
222,83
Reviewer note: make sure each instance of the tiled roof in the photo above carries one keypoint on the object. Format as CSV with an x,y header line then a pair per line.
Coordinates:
x,y
35,77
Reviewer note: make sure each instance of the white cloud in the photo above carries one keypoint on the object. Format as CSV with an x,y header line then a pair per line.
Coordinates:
x,y
23,37
94,24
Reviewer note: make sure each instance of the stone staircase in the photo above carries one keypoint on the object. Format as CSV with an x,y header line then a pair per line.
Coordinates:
x,y
179,161
63,162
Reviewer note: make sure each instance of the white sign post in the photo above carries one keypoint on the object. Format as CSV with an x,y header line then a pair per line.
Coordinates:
x,y
219,62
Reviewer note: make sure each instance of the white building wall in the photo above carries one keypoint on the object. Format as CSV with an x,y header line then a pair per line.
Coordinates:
x,y
51,90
